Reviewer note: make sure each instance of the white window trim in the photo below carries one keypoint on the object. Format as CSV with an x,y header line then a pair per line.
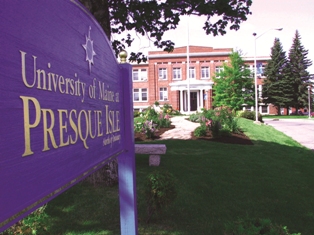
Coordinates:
x,y
140,92
164,91
180,73
208,69
163,75
194,72
142,75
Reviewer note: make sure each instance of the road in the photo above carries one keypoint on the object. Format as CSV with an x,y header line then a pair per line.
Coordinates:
x,y
301,130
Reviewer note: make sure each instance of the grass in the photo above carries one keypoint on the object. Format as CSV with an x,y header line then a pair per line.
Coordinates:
x,y
217,183
287,117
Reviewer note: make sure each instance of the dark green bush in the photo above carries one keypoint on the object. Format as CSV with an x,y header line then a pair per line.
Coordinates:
x,y
167,108
150,114
195,117
160,191
256,227
136,114
250,115
200,131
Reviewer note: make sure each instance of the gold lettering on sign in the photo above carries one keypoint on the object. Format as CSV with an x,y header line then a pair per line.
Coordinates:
x,y
48,130
27,124
63,127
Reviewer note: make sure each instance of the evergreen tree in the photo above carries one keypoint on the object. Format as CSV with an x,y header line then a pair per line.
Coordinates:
x,y
234,84
298,74
276,87
153,18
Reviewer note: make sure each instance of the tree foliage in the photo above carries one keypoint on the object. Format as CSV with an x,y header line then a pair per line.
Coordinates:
x,y
234,84
152,18
277,87
298,74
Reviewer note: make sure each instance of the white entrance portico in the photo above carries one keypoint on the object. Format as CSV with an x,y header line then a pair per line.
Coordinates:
x,y
198,93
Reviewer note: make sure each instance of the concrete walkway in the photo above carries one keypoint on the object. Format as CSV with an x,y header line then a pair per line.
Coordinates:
x,y
182,130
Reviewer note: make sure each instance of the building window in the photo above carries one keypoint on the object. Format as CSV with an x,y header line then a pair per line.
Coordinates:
x,y
260,89
259,71
192,72
139,75
162,73
264,108
204,72
163,93
140,94
218,70
176,74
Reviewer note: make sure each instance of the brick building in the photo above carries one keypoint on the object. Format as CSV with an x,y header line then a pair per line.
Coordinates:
x,y
163,78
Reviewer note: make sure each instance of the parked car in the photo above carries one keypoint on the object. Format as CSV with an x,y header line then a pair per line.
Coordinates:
x,y
307,114
297,113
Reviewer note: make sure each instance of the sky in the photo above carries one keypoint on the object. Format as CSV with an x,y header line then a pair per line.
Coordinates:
x,y
267,15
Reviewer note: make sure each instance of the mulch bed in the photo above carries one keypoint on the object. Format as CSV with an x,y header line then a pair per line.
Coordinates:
x,y
233,138
141,137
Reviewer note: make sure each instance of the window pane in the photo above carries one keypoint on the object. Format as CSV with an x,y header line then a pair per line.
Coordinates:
x,y
191,72
162,73
163,94
143,74
135,75
144,94
176,73
136,97
264,109
205,72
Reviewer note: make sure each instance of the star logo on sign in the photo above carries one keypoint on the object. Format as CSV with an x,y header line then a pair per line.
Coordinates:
x,y
90,53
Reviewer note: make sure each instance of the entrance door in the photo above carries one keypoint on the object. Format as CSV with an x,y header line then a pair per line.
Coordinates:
x,y
193,101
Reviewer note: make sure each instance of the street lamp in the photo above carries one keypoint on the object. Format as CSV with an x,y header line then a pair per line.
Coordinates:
x,y
255,72
309,97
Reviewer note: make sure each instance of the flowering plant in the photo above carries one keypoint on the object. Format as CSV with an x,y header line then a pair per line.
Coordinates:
x,y
149,128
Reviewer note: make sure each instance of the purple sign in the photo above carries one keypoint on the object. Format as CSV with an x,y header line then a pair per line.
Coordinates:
x,y
62,102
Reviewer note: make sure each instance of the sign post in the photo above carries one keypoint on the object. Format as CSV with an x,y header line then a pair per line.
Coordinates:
x,y
65,107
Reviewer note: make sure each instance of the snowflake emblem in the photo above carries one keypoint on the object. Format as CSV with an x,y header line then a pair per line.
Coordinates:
x,y
90,53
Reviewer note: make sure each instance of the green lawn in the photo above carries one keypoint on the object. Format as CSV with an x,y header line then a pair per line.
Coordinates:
x,y
217,183
287,117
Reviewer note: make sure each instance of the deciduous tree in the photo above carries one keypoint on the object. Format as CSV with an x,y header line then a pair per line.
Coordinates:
x,y
154,17
234,84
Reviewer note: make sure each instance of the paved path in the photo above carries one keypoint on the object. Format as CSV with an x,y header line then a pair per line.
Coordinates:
x,y
301,130
182,130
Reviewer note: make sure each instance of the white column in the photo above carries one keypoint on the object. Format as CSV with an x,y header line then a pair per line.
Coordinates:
x,y
181,101
201,98
198,100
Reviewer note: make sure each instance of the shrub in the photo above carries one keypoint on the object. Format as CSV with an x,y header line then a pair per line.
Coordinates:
x,y
175,112
209,113
195,117
256,227
163,120
221,121
160,191
138,126
149,129
200,131
31,225
136,114
150,114
167,108
250,115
